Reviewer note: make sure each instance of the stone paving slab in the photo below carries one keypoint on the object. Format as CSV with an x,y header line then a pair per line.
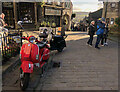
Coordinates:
x,y
84,68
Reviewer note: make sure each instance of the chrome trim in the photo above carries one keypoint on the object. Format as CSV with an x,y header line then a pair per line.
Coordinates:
x,y
20,56
29,66
38,51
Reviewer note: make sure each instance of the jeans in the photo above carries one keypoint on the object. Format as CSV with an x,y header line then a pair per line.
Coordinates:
x,y
90,40
99,37
104,39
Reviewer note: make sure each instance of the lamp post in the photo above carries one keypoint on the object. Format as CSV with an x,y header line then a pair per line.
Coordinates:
x,y
106,8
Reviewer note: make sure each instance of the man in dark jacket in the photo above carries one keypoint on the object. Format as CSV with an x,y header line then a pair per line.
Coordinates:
x,y
100,31
91,33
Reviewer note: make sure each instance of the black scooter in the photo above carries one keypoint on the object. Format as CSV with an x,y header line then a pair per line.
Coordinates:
x,y
57,42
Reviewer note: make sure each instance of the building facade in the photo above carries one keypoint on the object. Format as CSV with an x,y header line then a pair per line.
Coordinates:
x,y
111,11
33,13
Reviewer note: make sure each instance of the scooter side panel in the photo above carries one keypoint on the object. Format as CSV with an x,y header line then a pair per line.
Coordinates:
x,y
35,55
27,66
26,52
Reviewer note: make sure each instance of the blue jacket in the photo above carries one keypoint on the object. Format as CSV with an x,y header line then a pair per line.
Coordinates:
x,y
100,27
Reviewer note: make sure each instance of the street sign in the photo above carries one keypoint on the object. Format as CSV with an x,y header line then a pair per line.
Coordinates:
x,y
50,11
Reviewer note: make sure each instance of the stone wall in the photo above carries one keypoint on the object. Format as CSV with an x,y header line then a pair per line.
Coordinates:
x,y
109,11
112,12
68,12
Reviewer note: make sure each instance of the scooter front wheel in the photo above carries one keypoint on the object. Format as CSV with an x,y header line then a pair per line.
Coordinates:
x,y
24,80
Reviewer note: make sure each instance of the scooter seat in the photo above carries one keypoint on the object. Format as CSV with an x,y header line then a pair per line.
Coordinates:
x,y
43,35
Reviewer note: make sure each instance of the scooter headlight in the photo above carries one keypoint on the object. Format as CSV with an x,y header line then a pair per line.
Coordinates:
x,y
32,39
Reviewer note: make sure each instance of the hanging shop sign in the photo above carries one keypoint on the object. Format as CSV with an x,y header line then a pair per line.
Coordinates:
x,y
7,4
49,11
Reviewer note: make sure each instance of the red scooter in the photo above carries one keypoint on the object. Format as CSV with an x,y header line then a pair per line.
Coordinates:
x,y
32,54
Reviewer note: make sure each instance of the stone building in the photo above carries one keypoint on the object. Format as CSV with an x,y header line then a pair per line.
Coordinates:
x,y
111,11
67,13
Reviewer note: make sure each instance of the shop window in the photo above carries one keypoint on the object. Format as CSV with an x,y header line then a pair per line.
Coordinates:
x,y
26,12
112,21
7,9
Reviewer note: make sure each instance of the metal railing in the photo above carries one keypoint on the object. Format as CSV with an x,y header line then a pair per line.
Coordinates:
x,y
10,44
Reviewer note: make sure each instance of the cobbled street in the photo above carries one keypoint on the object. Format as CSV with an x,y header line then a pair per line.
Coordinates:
x,y
82,67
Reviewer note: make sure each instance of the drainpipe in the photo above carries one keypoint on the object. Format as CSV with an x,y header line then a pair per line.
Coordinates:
x,y
15,13
35,6
119,9
106,9
0,6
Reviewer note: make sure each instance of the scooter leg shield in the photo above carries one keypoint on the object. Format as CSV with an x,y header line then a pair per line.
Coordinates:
x,y
27,66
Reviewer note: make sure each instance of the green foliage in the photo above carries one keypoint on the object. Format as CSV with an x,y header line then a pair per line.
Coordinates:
x,y
117,21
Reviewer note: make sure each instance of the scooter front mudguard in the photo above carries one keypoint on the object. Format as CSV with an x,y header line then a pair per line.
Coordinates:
x,y
27,66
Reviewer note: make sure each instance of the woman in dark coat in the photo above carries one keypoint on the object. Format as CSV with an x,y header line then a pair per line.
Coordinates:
x,y
91,33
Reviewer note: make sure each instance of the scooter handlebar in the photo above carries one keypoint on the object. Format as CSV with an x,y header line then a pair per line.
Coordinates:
x,y
24,38
37,41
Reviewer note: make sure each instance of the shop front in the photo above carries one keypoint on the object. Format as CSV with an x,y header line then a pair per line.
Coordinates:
x,y
20,11
52,16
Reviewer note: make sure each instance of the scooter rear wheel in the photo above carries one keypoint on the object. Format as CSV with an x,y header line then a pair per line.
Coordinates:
x,y
24,80
60,49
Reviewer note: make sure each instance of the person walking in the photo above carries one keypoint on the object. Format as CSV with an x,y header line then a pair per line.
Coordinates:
x,y
91,32
100,31
2,23
63,28
2,29
105,35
